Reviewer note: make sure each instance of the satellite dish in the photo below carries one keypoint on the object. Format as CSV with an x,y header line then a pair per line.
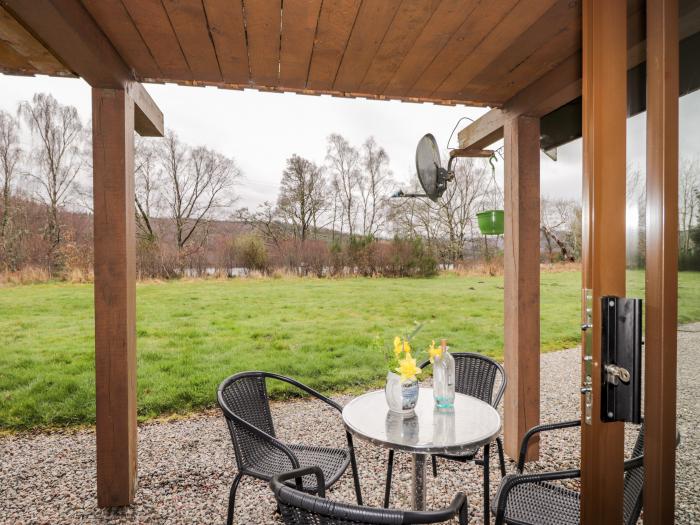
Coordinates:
x,y
432,176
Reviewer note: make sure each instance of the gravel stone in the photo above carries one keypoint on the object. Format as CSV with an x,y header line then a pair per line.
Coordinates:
x,y
186,465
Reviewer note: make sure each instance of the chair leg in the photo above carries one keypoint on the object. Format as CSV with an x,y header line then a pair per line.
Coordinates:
x,y
232,498
434,466
389,470
501,458
487,514
355,474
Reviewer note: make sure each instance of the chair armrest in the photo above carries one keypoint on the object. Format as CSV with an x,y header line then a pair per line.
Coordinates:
x,y
277,481
276,443
513,480
458,507
536,430
307,389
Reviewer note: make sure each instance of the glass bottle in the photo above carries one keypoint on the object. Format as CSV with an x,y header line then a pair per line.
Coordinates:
x,y
444,378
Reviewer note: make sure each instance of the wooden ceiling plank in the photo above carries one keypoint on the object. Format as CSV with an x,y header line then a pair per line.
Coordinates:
x,y
115,22
189,22
12,61
154,26
299,19
24,45
263,20
474,29
228,32
407,25
372,23
538,50
523,15
335,24
444,22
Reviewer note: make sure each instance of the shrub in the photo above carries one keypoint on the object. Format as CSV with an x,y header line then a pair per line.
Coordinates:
x,y
251,253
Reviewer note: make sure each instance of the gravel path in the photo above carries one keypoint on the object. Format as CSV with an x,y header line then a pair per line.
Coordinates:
x,y
186,466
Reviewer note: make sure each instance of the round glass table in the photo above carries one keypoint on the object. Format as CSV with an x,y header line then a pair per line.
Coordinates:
x,y
471,423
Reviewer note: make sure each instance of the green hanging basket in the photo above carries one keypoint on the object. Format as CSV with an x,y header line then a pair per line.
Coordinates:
x,y
491,222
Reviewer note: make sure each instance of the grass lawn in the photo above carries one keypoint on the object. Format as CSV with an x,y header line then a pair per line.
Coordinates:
x,y
192,334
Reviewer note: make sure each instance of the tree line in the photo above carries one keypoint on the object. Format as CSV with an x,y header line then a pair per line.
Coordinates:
x,y
332,216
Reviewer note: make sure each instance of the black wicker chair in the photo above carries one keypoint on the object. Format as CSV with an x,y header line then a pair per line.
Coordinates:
x,y
475,375
532,499
300,508
244,400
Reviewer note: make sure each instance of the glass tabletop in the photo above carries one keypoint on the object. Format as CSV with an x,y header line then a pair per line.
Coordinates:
x,y
471,423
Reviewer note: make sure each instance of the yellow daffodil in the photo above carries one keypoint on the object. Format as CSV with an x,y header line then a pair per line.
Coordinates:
x,y
407,368
434,352
397,346
406,347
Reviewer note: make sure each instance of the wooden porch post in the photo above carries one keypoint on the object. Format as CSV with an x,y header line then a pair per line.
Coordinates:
x,y
604,163
522,281
115,295
662,261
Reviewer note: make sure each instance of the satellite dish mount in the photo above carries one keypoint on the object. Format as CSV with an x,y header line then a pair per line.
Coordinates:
x,y
432,176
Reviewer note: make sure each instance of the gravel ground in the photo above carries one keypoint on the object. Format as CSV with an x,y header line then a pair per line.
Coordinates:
x,y
186,465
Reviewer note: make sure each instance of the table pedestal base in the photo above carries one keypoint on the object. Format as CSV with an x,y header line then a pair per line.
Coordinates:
x,y
418,481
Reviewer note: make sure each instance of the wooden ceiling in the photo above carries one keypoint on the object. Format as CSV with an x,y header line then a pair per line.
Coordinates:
x,y
448,51
476,52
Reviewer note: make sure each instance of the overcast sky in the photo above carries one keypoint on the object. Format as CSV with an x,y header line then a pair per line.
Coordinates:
x,y
260,130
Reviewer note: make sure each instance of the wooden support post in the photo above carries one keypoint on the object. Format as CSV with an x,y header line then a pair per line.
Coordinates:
x,y
604,202
522,282
115,295
662,261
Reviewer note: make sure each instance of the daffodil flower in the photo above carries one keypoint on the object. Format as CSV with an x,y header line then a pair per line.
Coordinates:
x,y
407,368
434,352
397,346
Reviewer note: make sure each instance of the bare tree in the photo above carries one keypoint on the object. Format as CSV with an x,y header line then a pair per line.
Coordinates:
x,y
374,186
344,163
147,180
57,160
10,155
456,210
198,184
689,185
303,196
265,220
556,217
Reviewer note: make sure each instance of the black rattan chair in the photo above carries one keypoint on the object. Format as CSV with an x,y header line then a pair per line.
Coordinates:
x,y
300,508
244,400
532,499
475,375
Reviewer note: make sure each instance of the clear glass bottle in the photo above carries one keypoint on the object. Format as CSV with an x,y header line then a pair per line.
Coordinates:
x,y
444,378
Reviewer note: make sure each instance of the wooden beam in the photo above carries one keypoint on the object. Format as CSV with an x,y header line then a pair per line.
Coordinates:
x,y
604,185
522,282
148,118
68,30
662,261
546,94
115,295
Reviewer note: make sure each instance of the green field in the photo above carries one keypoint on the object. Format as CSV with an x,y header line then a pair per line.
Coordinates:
x,y
192,334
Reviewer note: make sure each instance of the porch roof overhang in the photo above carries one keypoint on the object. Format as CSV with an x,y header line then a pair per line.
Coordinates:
x,y
446,52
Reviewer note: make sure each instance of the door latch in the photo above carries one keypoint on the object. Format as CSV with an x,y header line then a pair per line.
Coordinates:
x,y
615,374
